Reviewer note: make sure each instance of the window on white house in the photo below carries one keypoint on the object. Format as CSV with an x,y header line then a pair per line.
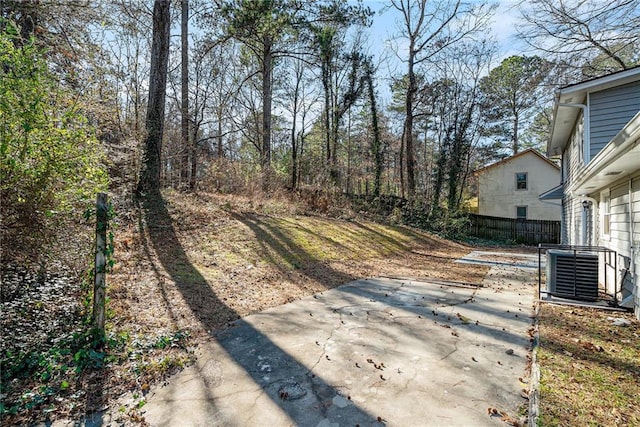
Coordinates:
x,y
521,181
521,212
605,209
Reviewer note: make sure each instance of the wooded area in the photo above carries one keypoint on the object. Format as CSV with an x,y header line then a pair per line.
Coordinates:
x,y
270,99
285,94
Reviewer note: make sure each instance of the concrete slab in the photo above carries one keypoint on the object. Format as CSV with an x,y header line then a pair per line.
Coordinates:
x,y
380,351
506,259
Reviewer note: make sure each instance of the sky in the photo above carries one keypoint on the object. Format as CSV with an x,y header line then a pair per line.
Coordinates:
x,y
503,25
385,26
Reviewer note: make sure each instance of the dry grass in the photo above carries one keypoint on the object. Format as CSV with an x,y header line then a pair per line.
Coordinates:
x,y
210,259
590,369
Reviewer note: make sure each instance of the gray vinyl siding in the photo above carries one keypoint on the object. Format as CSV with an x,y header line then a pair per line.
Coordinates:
x,y
610,110
620,226
574,151
572,162
564,222
572,221
619,215
635,209
635,188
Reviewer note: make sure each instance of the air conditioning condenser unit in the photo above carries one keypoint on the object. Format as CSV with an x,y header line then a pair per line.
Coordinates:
x,y
572,274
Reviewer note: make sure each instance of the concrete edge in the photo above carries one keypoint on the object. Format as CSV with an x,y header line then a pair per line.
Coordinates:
x,y
434,280
534,378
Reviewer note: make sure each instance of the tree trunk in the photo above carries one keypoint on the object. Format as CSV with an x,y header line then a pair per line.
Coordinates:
x,y
408,134
515,144
326,85
194,157
267,63
184,38
401,163
376,149
294,136
220,148
150,174
301,147
441,164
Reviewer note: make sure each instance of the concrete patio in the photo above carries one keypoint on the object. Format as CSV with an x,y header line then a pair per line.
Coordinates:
x,y
380,351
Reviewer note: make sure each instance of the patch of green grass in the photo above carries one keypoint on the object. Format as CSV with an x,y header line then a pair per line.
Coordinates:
x,y
295,242
590,369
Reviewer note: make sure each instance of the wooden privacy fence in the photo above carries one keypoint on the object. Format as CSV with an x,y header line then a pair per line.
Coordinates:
x,y
527,231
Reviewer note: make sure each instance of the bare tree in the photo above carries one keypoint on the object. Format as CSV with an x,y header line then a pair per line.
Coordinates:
x,y
262,26
184,110
130,25
429,27
343,82
574,31
300,99
376,143
149,181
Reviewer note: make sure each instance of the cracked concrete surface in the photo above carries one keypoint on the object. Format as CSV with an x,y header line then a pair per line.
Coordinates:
x,y
383,351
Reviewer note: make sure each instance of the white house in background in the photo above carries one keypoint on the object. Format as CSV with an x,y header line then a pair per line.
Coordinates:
x,y
596,133
510,188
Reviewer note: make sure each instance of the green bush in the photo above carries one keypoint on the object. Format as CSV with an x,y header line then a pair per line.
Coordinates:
x,y
452,225
50,159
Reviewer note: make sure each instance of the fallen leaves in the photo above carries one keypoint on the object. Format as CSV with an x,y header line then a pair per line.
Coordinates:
x,y
463,319
588,368
587,345
494,412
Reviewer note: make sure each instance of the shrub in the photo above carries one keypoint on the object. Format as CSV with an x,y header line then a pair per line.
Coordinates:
x,y
452,225
50,159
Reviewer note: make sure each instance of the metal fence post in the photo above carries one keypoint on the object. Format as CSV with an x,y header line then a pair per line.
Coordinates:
x,y
101,262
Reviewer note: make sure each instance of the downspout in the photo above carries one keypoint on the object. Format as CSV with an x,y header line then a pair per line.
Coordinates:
x,y
632,248
628,301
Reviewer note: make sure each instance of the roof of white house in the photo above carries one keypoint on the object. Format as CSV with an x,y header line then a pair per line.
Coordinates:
x,y
571,99
515,156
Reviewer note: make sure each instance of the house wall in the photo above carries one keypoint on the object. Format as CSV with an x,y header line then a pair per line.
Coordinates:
x,y
498,195
609,111
620,239
572,209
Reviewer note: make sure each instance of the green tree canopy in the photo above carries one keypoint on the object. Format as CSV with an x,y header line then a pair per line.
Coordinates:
x,y
510,97
50,159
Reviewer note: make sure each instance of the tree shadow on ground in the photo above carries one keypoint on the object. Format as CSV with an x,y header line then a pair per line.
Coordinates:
x,y
574,334
271,238
251,344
